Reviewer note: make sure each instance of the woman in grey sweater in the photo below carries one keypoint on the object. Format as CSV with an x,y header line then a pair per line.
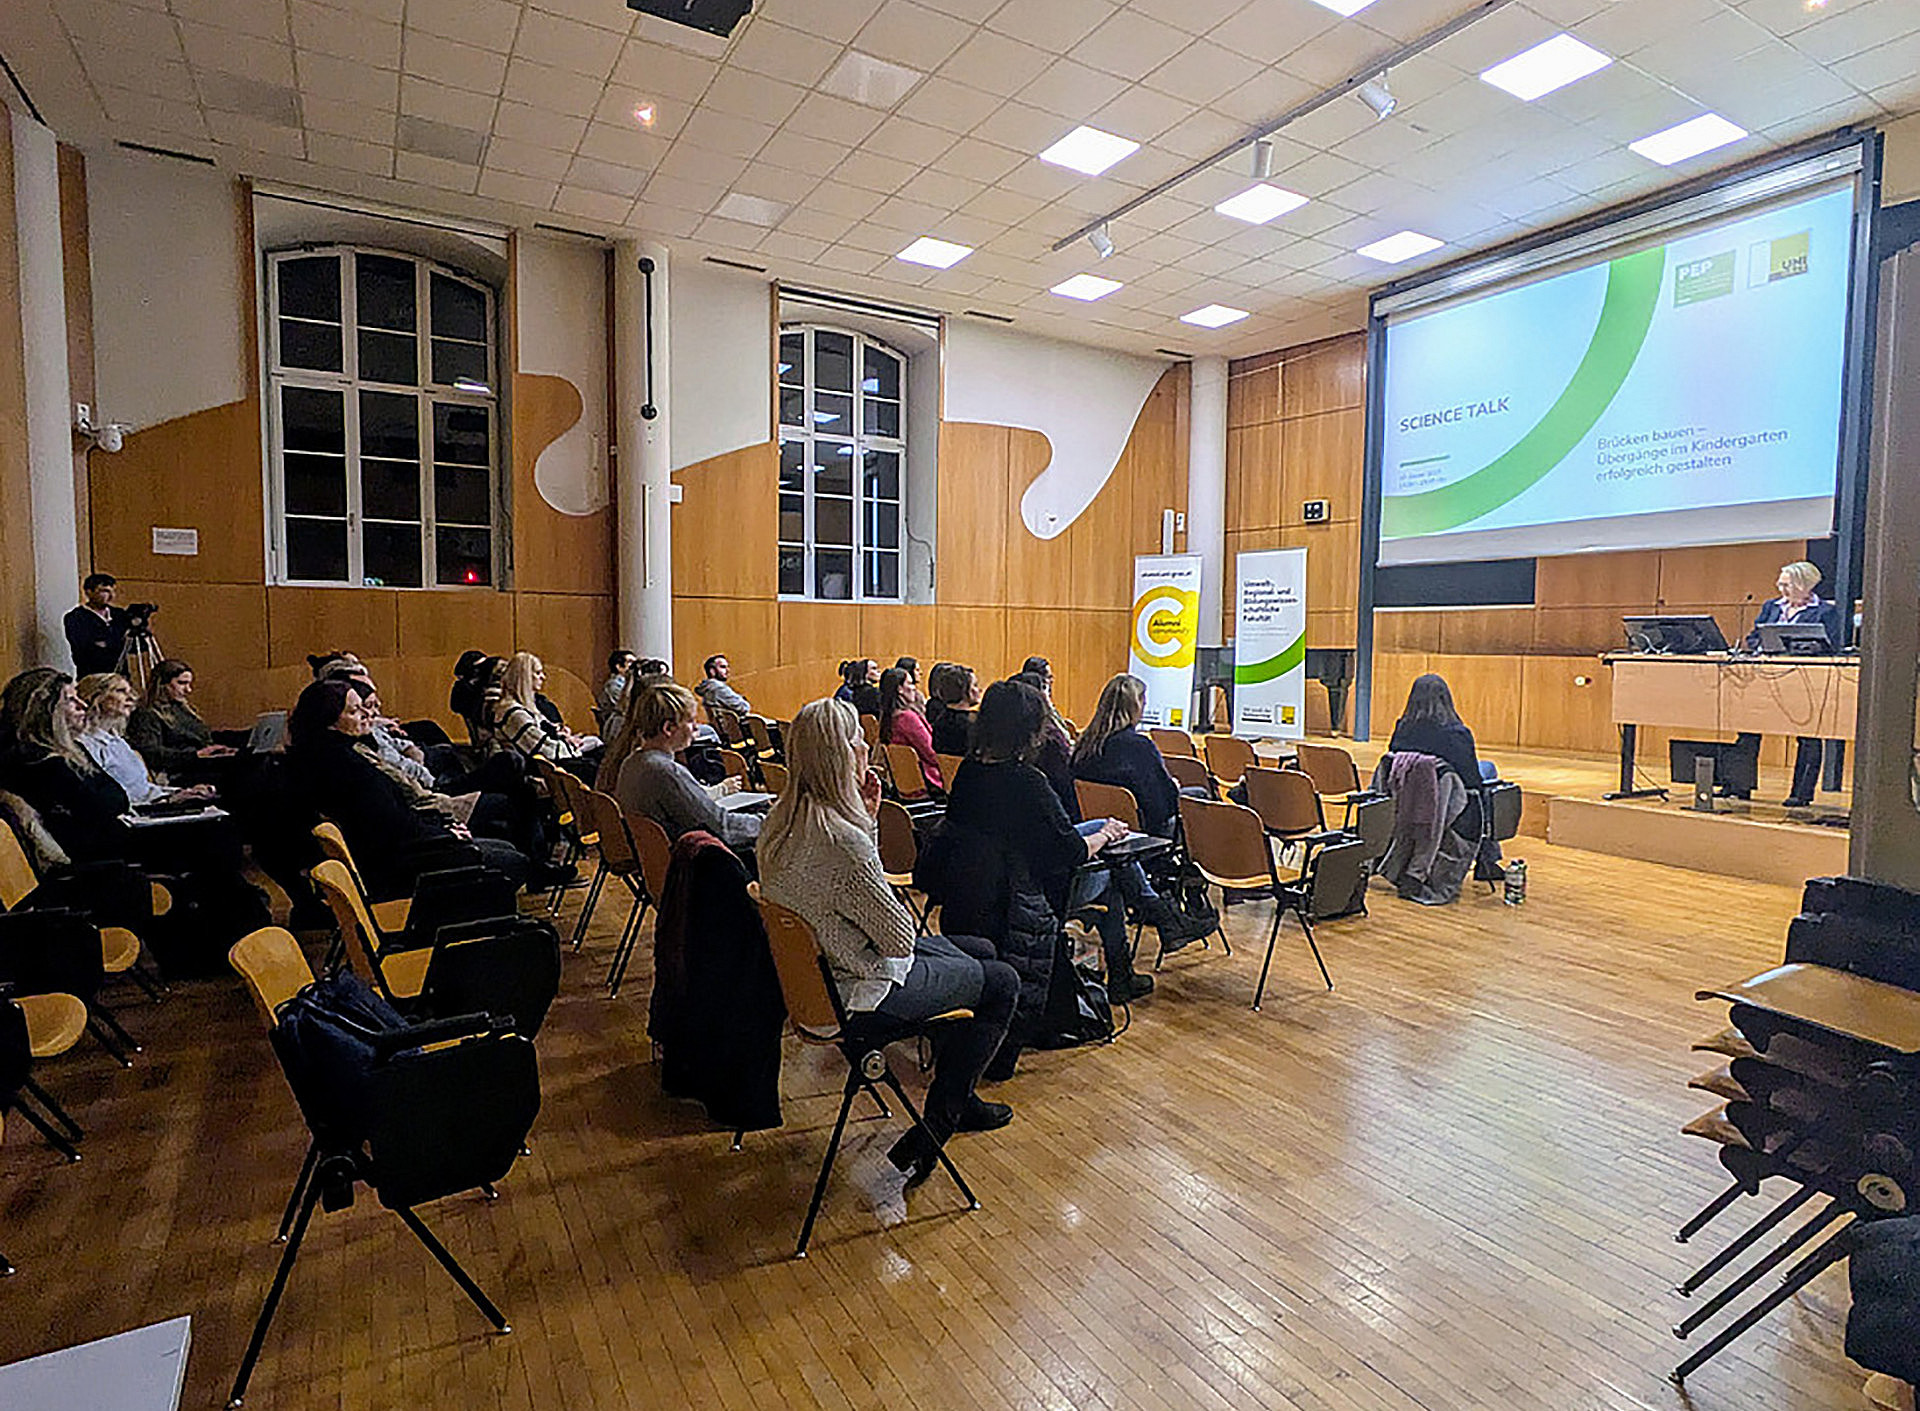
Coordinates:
x,y
819,858
653,783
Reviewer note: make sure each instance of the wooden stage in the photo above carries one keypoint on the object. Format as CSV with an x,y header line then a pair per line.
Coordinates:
x,y
1450,1183
1760,841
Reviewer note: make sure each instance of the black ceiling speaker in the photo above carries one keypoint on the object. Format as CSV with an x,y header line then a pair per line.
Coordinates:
x,y
714,16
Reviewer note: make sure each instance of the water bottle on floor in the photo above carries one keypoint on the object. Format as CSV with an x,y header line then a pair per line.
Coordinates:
x,y
1516,886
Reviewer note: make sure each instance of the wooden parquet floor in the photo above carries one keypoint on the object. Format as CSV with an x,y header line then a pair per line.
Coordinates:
x,y
1451,1183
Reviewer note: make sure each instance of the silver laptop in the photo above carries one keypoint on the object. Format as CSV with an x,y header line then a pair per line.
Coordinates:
x,y
269,734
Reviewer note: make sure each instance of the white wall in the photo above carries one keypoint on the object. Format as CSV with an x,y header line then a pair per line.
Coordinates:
x,y
722,362
1084,400
168,271
561,293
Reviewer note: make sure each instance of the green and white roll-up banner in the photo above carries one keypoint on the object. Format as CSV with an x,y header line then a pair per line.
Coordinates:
x,y
1166,629
1270,644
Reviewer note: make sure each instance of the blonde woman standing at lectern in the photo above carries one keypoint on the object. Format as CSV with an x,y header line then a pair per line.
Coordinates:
x,y
1799,603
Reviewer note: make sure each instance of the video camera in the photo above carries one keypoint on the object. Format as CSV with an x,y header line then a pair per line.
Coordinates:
x,y
140,617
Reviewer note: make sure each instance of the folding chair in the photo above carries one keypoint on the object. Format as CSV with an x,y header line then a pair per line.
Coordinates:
x,y
1229,846
1288,805
33,1027
1189,772
774,776
619,858
1334,775
1228,759
815,1011
1172,742
654,849
899,851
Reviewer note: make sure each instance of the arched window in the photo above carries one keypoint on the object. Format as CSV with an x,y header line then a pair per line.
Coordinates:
x,y
843,453
383,421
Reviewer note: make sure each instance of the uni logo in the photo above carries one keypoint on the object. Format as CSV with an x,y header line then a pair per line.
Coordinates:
x,y
1789,256
1166,625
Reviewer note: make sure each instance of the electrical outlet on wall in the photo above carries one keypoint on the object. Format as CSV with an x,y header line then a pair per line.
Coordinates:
x,y
1316,512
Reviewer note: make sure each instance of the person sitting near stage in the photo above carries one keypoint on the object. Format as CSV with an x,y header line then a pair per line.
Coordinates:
x,y
108,698
396,830
613,692
819,857
520,725
1055,759
654,784
953,695
169,732
901,723
910,665
1798,602
860,685
1114,750
717,694
1430,725
96,630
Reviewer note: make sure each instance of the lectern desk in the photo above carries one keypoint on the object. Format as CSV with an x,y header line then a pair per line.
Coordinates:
x,y
1763,695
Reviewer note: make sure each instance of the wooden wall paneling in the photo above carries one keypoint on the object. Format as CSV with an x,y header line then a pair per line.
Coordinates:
x,y
446,624
1558,712
77,275
1099,650
1101,542
1726,573
1255,479
567,630
201,472
1330,629
1393,676
1159,464
1253,396
1039,572
1324,456
1629,581
972,537
818,632
726,528
1326,377
17,610
221,628
1560,631
746,629
1486,690
1333,565
975,637
1406,630
1031,632
553,552
889,631
1498,630
300,621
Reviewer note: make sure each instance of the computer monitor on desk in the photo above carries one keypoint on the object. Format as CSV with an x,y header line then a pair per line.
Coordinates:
x,y
1795,638
1674,636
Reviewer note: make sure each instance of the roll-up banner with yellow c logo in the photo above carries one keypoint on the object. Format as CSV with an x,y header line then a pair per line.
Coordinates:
x,y
1166,629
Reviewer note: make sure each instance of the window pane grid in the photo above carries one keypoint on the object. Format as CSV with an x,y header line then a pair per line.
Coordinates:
x,y
361,486
842,419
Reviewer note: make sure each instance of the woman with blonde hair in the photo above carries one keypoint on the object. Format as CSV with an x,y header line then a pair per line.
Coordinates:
x,y
1798,602
652,782
519,724
109,700
819,857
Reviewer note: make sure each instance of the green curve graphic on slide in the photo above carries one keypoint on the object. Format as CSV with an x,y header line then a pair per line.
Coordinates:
x,y
1254,673
1633,293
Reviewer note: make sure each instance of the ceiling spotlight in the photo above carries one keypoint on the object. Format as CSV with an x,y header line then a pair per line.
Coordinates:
x,y
1101,241
1374,93
1262,159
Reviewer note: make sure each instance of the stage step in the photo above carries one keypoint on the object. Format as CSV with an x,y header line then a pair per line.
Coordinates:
x,y
1725,844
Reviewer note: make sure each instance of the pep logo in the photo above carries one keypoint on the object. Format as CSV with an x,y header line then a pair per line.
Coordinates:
x,y
1166,625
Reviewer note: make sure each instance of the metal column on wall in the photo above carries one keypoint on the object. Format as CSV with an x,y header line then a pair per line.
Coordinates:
x,y
1207,490
1886,826
644,476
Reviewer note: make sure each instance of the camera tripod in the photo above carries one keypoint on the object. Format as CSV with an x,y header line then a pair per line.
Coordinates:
x,y
139,656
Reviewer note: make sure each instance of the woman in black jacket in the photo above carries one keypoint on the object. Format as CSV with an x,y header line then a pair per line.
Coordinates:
x,y
1112,750
393,841
1430,725
952,695
1009,840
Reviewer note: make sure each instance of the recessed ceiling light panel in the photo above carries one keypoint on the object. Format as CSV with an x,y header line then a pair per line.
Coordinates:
x,y
1085,287
1259,204
1689,139
871,82
1089,150
1404,246
1213,316
939,254
754,210
1540,70
1343,7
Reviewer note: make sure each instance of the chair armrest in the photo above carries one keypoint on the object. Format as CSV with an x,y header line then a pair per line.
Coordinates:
x,y
435,1031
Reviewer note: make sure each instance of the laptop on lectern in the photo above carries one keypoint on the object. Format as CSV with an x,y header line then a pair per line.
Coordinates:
x,y
1692,635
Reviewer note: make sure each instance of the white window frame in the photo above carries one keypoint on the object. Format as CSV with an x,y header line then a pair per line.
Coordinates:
x,y
861,442
347,382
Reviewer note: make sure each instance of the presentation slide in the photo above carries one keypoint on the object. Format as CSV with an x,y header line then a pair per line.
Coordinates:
x,y
1687,393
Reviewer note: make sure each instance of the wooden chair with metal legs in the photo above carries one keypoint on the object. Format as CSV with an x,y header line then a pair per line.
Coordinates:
x,y
899,852
653,850
1335,776
1189,772
761,731
619,859
34,1027
774,776
949,766
1229,846
271,962
1287,803
389,915
817,1016
870,728
120,949
1228,759
580,834
1172,742
397,972
909,780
